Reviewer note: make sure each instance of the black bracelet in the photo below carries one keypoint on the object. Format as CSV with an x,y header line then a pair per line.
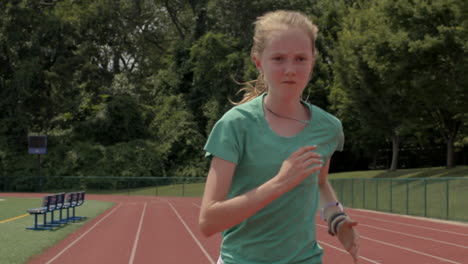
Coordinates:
x,y
331,229
336,223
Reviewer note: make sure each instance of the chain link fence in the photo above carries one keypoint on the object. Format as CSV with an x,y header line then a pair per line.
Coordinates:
x,y
443,198
156,186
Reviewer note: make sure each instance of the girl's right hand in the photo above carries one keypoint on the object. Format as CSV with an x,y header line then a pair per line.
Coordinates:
x,y
349,238
298,166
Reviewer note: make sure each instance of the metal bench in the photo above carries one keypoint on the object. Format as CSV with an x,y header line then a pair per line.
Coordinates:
x,y
60,202
59,205
46,205
76,199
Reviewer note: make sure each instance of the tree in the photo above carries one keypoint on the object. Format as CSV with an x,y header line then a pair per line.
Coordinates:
x,y
437,38
216,64
34,77
174,131
370,66
235,18
328,16
399,60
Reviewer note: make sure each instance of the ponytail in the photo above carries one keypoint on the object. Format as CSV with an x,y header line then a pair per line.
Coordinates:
x,y
252,89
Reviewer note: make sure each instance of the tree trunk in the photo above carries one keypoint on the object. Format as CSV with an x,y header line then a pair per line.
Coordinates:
x,y
450,152
449,127
116,63
395,149
374,161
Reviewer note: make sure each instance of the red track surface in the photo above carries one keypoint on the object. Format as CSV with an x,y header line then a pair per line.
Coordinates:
x,y
164,230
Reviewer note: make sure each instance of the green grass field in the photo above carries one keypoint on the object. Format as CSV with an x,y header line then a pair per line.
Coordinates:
x,y
17,244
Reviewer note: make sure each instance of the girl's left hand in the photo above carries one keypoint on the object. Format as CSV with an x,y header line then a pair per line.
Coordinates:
x,y
349,237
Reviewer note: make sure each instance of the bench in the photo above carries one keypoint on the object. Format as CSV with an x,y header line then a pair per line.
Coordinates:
x,y
60,202
55,204
46,202
74,200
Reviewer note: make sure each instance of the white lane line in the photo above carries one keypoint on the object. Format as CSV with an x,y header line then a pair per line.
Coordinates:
x,y
415,236
137,237
411,250
405,224
196,205
344,251
404,248
84,234
191,233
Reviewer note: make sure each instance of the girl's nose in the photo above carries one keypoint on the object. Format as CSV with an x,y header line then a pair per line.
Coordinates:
x,y
290,69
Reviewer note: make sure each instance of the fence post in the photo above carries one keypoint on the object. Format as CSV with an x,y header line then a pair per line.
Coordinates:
x,y
341,196
156,188
425,197
377,195
352,193
447,183
364,193
407,197
183,188
391,195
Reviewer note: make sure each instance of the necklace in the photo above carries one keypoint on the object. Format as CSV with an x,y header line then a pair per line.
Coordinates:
x,y
285,117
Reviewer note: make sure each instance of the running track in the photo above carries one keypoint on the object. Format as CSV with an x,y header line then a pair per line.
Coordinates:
x,y
164,230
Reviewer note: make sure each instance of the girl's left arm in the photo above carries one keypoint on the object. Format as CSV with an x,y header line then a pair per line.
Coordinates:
x,y
347,233
327,194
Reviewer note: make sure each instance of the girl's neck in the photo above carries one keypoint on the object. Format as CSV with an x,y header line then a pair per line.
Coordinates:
x,y
285,106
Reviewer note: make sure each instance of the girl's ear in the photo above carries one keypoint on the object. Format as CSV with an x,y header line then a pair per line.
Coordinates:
x,y
257,62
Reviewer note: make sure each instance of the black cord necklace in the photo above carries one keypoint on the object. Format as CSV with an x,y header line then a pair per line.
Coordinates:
x,y
285,117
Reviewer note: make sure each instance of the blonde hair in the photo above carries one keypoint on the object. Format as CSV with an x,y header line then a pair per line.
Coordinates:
x,y
264,27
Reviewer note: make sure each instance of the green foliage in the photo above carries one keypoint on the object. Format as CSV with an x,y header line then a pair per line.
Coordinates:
x,y
216,65
132,158
396,63
235,18
119,120
176,135
436,55
367,67
128,88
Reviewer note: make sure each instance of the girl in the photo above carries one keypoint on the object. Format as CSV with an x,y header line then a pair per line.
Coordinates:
x,y
270,157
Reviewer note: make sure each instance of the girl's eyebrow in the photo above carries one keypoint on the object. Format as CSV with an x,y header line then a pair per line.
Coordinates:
x,y
286,53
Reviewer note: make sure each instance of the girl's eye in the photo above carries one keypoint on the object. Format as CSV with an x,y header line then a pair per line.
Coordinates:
x,y
277,59
301,59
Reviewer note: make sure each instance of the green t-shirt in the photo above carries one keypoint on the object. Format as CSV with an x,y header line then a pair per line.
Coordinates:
x,y
284,230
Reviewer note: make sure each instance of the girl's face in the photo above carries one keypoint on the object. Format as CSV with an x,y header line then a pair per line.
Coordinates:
x,y
287,62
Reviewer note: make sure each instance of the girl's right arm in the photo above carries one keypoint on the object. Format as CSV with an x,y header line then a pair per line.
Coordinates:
x,y
218,213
